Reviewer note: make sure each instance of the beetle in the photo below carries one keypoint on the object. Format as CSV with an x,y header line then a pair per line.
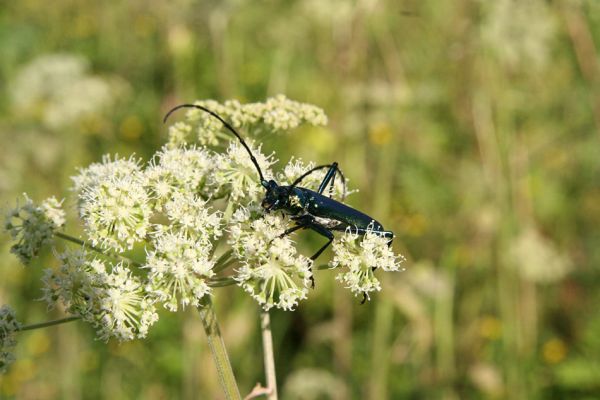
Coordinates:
x,y
307,208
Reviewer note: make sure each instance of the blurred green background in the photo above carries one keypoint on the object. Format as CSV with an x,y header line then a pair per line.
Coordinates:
x,y
471,129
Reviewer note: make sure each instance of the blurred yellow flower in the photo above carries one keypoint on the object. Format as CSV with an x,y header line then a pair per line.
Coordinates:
x,y
131,128
490,327
554,351
380,134
37,343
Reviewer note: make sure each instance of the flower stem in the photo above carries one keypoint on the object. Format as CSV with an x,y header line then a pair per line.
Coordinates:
x,y
220,282
96,249
218,350
48,323
269,359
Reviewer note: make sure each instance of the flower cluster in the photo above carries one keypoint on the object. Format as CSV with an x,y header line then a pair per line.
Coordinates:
x,y
179,266
110,167
237,174
33,226
8,326
180,170
175,213
60,90
103,293
276,114
361,255
271,269
116,212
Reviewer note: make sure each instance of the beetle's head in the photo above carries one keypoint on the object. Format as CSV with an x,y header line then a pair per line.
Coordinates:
x,y
276,196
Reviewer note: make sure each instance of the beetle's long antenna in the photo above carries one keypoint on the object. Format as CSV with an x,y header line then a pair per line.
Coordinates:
x,y
228,126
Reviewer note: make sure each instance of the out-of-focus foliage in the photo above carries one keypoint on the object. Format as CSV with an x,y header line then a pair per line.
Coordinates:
x,y
471,128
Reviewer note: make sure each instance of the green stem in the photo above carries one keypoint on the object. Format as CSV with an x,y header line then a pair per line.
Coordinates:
x,y
220,282
218,350
267,337
96,249
224,261
48,323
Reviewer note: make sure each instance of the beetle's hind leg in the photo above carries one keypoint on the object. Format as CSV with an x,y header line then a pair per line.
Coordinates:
x,y
308,222
323,232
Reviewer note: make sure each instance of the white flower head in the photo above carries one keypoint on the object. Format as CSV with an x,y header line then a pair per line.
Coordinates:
x,y
282,114
60,90
123,308
116,212
33,226
271,271
236,174
8,326
276,114
179,170
109,168
362,255
104,294
71,284
179,134
208,128
191,215
178,268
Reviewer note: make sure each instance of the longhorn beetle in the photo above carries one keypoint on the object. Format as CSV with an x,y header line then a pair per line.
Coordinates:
x,y
307,208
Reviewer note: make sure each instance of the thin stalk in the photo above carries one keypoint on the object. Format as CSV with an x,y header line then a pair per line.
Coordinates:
x,y
269,359
218,350
223,260
96,249
220,282
48,323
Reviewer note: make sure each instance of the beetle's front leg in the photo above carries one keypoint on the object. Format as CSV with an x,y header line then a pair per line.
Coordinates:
x,y
333,169
329,179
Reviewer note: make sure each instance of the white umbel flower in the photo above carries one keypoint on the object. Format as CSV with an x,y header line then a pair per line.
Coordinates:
x,y
116,212
276,114
8,326
114,168
362,255
237,176
192,216
183,170
178,268
125,311
104,294
283,114
179,134
271,271
33,226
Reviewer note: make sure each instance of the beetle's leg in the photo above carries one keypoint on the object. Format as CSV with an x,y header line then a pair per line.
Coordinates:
x,y
329,179
333,169
329,176
321,230
300,224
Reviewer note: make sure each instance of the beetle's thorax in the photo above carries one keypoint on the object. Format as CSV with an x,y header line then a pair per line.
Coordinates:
x,y
282,198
